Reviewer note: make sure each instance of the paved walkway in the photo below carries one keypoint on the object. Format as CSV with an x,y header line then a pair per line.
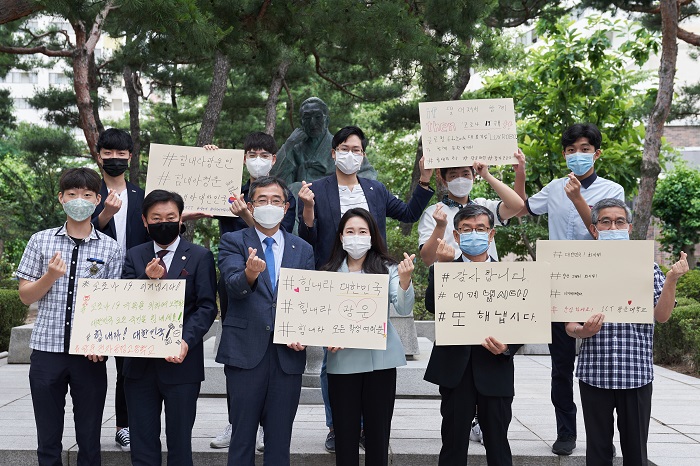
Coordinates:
x,y
415,440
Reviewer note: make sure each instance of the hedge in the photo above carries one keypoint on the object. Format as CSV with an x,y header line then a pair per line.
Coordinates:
x,y
13,312
678,340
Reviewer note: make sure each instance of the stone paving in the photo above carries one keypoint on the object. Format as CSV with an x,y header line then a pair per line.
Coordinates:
x,y
415,439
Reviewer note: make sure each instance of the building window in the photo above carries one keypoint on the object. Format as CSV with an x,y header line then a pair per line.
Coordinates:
x,y
58,78
20,77
21,104
117,105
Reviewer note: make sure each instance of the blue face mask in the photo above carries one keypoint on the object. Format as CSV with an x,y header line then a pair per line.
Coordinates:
x,y
579,163
614,235
474,243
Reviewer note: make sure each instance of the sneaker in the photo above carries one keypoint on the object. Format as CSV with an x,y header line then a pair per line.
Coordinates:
x,y
330,442
475,434
564,445
260,440
122,438
223,440
362,439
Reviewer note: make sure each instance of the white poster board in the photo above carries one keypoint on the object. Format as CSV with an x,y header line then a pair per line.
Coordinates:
x,y
505,300
134,318
589,277
315,308
207,180
457,133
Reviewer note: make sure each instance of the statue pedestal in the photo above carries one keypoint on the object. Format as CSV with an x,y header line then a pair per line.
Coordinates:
x,y
406,328
314,359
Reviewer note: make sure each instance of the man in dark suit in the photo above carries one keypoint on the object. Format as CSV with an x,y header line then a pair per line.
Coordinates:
x,y
174,381
471,375
263,378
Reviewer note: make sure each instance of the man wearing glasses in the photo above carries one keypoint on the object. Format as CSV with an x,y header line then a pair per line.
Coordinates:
x,y
263,379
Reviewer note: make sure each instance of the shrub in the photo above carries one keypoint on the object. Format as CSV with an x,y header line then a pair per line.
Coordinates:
x,y
398,244
9,284
678,340
689,285
13,312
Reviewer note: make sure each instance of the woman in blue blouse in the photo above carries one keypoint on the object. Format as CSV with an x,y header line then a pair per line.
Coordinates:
x,y
362,382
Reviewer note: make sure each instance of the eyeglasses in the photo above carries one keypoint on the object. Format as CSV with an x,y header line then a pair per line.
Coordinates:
x,y
345,150
469,230
263,202
262,155
607,223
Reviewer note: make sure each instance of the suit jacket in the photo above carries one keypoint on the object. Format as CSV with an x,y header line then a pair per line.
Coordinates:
x,y
249,323
195,265
357,360
493,374
136,233
381,203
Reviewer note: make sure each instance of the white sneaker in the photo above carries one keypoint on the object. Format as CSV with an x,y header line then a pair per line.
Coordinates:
x,y
223,440
260,440
475,434
122,438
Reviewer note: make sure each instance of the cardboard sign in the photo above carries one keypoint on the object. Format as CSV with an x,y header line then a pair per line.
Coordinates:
x,y
134,318
208,180
457,133
315,308
589,277
505,300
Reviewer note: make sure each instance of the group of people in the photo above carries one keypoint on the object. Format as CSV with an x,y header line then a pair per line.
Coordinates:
x,y
113,230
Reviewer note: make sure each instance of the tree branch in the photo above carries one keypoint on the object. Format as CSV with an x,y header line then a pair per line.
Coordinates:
x,y
32,50
689,37
336,84
91,43
16,9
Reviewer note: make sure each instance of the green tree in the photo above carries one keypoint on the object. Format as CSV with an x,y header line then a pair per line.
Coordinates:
x,y
677,204
576,77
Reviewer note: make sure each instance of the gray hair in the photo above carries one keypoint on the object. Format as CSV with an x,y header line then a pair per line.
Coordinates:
x,y
607,203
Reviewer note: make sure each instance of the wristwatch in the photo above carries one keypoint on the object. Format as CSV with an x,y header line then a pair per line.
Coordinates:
x,y
425,184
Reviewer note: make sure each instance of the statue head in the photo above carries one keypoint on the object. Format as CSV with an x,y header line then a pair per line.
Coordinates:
x,y
314,117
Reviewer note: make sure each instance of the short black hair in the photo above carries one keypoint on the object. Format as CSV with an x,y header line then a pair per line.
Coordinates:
x,y
443,171
344,133
80,178
158,196
267,181
582,130
471,211
115,139
260,140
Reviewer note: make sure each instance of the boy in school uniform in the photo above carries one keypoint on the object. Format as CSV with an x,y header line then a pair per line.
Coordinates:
x,y
581,145
51,265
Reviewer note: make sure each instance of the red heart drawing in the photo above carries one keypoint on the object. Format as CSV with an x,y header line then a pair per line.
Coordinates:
x,y
296,290
629,302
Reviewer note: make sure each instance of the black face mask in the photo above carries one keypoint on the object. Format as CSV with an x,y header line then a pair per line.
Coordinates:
x,y
164,232
115,167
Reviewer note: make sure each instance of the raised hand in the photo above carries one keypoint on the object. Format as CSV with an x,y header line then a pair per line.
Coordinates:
x,y
405,269
254,263
306,195
112,203
425,173
440,216
154,270
520,166
572,188
444,252
678,269
57,267
481,169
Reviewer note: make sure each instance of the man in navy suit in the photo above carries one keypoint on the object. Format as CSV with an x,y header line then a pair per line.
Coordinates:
x,y
174,381
263,378
472,374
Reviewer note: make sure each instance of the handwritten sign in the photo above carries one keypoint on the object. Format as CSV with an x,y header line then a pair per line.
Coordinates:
x,y
457,133
208,180
135,318
506,300
332,309
612,277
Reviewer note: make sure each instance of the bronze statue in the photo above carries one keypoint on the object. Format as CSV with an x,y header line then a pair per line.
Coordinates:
x,y
306,155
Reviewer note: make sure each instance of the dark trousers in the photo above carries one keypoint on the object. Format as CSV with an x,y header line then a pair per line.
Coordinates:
x,y
50,375
145,397
458,407
264,395
368,396
563,353
119,397
223,307
633,408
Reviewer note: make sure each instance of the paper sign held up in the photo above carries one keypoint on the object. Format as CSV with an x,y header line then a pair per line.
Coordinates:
x,y
505,300
457,133
208,180
332,309
589,277
134,318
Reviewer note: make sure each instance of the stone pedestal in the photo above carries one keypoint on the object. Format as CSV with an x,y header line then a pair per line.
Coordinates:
x,y
20,351
314,359
406,328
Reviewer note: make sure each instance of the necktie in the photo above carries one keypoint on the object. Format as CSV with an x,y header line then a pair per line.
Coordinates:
x,y
161,255
270,260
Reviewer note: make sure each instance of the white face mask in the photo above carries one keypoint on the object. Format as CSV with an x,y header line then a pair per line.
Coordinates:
x,y
357,245
268,216
348,162
460,187
258,166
